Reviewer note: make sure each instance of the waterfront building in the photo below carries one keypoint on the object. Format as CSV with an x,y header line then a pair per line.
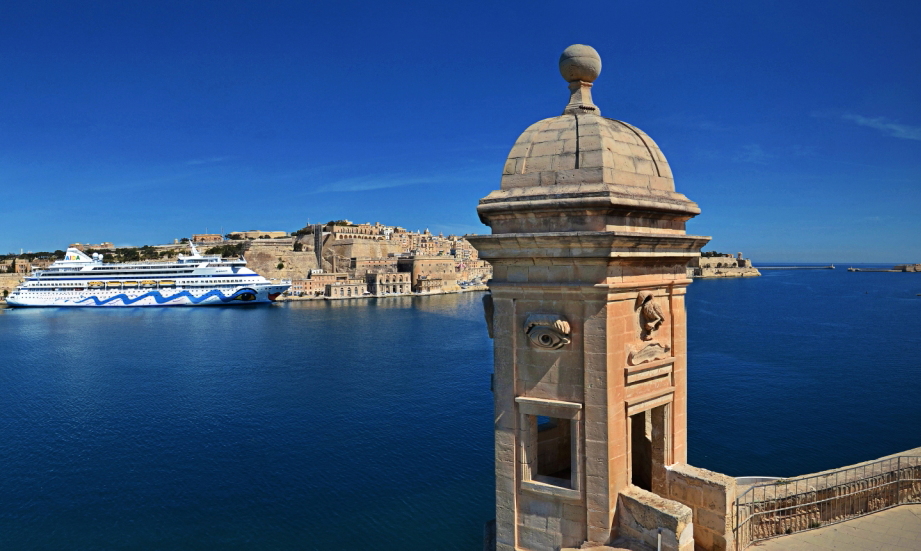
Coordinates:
x,y
350,288
14,266
721,265
345,229
254,234
317,283
430,273
363,249
206,238
389,283
104,246
25,265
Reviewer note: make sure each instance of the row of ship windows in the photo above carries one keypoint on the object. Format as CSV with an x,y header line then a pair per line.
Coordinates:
x,y
78,284
193,287
133,273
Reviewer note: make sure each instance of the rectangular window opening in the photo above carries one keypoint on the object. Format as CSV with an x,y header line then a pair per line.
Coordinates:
x,y
554,451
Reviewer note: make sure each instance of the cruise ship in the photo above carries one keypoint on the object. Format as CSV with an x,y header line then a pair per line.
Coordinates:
x,y
193,280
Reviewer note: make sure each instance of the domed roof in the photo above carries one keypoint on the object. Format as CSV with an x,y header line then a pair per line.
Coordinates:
x,y
584,172
586,149
582,147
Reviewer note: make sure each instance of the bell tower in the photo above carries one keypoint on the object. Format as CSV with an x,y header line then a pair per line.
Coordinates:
x,y
589,255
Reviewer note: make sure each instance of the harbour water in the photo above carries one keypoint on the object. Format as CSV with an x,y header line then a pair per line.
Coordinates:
x,y
367,424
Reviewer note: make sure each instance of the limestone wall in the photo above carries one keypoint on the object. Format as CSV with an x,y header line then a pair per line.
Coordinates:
x,y
725,272
8,282
347,249
724,265
710,496
643,517
264,258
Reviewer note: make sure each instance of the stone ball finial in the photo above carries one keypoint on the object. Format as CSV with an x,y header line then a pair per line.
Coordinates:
x,y
580,62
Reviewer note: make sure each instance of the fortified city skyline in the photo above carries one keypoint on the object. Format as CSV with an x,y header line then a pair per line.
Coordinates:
x,y
796,127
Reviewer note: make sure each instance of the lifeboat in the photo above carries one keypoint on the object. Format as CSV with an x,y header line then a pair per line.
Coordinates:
x,y
148,283
114,283
95,284
131,285
167,283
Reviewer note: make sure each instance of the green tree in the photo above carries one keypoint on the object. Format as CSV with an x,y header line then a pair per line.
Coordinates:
x,y
235,249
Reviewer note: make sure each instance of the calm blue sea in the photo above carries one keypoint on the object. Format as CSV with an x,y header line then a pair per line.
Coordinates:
x,y
367,425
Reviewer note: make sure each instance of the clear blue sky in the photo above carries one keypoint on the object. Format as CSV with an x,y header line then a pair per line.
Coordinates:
x,y
795,125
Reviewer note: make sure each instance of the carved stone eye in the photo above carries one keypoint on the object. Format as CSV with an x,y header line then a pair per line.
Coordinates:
x,y
547,331
545,337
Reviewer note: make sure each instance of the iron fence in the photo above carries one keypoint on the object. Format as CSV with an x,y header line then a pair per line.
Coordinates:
x,y
790,505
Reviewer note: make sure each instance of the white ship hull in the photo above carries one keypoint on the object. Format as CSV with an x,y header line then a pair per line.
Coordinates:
x,y
81,281
156,297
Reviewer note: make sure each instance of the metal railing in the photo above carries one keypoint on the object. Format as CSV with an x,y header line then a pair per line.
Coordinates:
x,y
790,505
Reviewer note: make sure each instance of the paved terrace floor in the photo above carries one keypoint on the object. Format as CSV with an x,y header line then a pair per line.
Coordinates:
x,y
896,529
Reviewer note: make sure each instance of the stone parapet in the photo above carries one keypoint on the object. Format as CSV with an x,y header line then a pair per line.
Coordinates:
x,y
710,496
646,518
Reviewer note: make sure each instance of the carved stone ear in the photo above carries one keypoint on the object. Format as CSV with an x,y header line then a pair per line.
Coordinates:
x,y
547,331
488,311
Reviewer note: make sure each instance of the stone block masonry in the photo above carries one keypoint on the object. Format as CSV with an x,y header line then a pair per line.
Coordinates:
x,y
589,255
650,520
8,282
710,496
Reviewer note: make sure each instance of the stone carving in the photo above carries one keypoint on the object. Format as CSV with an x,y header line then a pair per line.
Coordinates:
x,y
547,331
651,316
488,311
650,320
648,353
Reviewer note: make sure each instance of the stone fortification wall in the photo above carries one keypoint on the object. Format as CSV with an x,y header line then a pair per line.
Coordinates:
x,y
724,272
264,257
722,265
338,254
8,282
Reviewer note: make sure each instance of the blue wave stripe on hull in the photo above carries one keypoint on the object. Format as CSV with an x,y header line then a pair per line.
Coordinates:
x,y
160,299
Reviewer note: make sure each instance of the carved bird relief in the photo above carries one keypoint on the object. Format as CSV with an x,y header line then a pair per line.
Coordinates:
x,y
651,316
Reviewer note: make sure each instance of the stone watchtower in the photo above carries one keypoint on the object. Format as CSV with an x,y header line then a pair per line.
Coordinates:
x,y
589,251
